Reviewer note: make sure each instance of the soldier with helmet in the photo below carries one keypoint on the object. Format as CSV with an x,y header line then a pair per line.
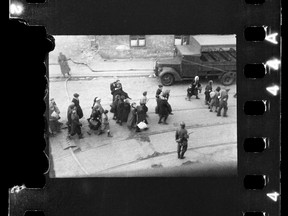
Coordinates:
x,y
181,138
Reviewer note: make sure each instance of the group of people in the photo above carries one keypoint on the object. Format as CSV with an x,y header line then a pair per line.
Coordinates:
x,y
216,99
134,114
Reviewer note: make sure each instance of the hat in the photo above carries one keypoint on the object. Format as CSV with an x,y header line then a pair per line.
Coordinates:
x,y
97,99
160,86
51,99
227,89
76,95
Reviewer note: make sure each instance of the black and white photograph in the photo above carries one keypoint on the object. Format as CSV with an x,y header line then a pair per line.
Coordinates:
x,y
142,105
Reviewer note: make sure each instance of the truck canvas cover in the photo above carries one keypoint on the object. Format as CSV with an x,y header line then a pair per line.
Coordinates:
x,y
214,42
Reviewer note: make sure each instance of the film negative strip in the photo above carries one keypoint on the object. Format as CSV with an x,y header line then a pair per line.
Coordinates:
x,y
242,181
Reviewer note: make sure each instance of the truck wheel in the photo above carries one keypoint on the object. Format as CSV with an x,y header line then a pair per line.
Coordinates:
x,y
228,78
167,79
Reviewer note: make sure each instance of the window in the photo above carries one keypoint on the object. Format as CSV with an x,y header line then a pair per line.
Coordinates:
x,y
137,40
181,40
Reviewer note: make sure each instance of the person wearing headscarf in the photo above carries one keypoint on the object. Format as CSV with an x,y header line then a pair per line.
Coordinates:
x,y
132,117
76,101
223,102
214,99
196,87
63,62
208,89
54,124
75,124
97,105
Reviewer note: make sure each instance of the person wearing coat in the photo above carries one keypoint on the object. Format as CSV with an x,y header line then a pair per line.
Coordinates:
x,y
113,87
223,98
164,110
54,124
76,101
120,109
141,111
126,110
75,124
189,92
214,99
157,96
69,112
208,89
196,86
132,117
63,62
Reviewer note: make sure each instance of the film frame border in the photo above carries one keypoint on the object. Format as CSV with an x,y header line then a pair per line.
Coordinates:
x,y
271,110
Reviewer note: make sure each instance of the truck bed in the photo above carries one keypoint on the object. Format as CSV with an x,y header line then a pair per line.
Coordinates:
x,y
219,56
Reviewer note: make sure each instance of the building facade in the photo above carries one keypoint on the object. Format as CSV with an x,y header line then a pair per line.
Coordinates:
x,y
106,47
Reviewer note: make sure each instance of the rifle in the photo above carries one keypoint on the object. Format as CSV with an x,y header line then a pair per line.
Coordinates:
x,y
179,140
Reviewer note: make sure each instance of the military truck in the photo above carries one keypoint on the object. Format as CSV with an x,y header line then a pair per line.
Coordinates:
x,y
192,60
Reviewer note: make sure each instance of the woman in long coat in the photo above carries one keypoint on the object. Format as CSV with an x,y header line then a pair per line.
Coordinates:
x,y
164,110
75,125
120,108
76,101
126,110
141,113
132,117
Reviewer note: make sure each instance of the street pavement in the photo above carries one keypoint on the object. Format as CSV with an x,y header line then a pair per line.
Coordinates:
x,y
117,67
213,142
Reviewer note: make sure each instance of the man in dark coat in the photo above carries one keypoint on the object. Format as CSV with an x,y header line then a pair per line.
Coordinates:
x,y
63,62
75,125
76,101
181,138
164,110
223,102
120,109
126,110
113,87
157,96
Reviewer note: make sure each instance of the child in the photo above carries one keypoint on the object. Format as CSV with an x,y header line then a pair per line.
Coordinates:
x,y
189,92
105,124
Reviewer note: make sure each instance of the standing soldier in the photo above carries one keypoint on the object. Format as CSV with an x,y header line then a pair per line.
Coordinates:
x,y
181,138
132,117
76,101
63,62
223,102
208,89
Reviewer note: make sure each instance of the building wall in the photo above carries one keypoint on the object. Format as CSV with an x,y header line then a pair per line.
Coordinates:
x,y
88,48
